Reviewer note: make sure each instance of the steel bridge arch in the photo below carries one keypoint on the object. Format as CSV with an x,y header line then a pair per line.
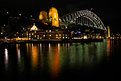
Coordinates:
x,y
84,17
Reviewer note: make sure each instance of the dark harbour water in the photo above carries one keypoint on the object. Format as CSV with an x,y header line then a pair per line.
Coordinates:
x,y
94,61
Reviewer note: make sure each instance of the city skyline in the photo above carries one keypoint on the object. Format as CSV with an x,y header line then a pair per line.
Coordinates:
x,y
60,40
106,10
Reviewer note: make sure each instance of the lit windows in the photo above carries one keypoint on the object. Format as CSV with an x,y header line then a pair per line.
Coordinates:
x,y
49,30
59,34
43,35
34,35
56,35
46,30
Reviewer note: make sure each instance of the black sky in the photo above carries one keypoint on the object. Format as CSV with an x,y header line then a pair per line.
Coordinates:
x,y
109,11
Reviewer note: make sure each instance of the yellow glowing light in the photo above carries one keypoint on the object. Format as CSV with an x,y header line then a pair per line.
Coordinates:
x,y
1,32
43,16
34,28
34,35
43,35
46,30
56,35
18,52
34,56
53,13
55,63
49,30
59,34
109,47
108,31
85,37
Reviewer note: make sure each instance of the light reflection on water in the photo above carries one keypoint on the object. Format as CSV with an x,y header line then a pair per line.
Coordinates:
x,y
34,55
6,58
18,52
55,58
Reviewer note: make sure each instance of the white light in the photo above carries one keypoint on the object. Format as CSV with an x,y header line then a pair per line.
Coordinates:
x,y
19,14
85,37
49,45
6,52
40,47
5,37
100,37
49,30
19,57
30,15
6,57
7,12
4,25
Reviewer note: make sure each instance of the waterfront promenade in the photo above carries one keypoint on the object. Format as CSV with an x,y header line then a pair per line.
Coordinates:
x,y
49,41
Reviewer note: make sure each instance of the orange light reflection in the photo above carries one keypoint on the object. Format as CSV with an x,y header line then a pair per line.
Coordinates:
x,y
34,56
18,52
56,61
108,48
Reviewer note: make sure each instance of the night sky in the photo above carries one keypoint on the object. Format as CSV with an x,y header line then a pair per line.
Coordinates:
x,y
108,10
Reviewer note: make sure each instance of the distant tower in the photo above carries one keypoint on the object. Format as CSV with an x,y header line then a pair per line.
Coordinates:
x,y
108,32
53,17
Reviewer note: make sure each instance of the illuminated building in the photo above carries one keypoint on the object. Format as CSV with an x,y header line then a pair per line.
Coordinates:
x,y
48,34
34,28
53,16
43,16
45,33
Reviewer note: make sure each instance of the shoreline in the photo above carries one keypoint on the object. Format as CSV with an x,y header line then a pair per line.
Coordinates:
x,y
51,41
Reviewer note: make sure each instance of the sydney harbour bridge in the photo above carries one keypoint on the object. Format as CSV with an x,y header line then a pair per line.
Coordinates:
x,y
83,18
86,21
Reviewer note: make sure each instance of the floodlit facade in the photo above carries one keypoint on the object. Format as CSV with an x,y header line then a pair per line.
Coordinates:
x,y
53,17
34,28
43,16
47,34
